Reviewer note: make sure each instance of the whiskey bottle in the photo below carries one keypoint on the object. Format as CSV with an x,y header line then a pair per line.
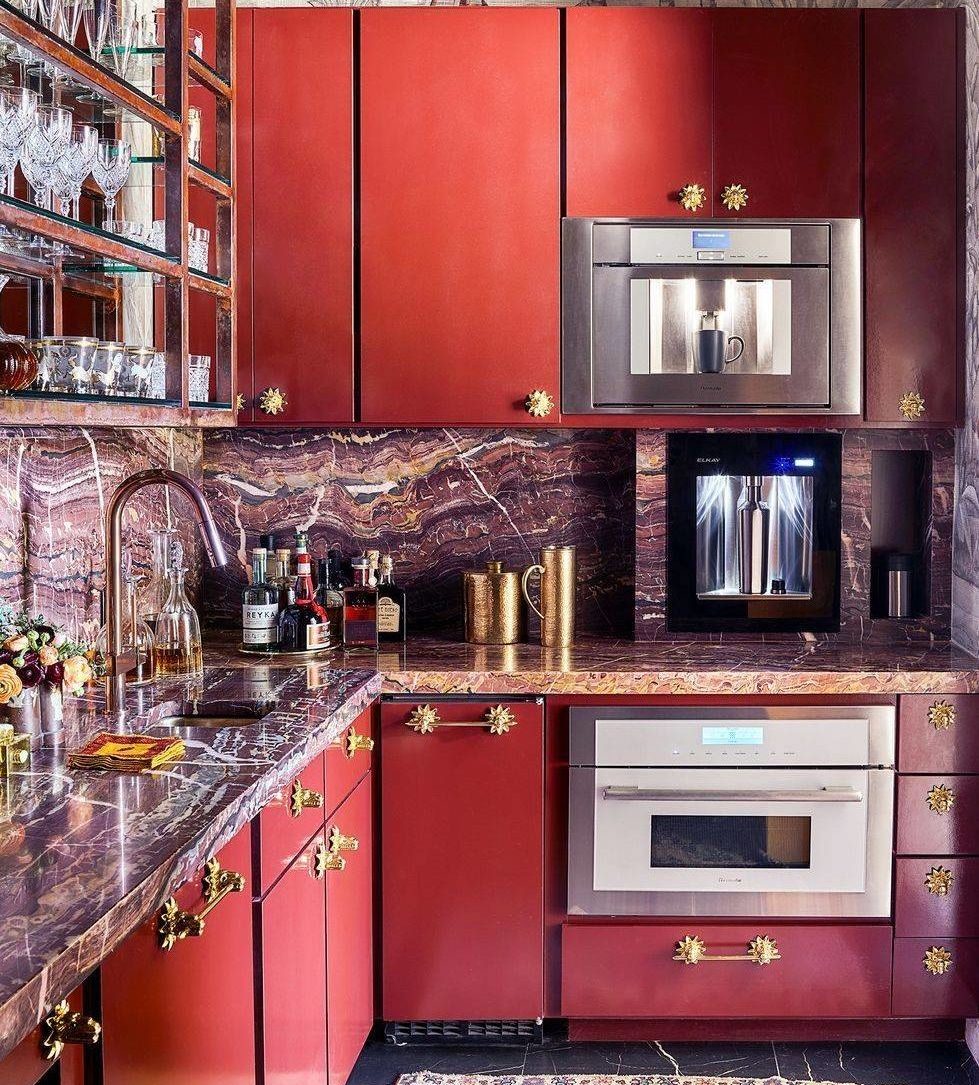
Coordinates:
x,y
330,598
259,607
283,575
360,608
390,604
300,628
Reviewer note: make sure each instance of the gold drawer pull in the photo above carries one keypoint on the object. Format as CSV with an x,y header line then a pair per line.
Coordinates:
x,y
326,859
64,1026
497,720
692,197
357,742
734,197
940,798
339,842
938,881
176,924
941,715
937,961
303,798
539,403
912,406
761,950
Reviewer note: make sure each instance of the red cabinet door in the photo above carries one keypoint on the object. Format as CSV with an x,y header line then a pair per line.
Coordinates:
x,y
936,898
460,213
938,734
938,815
639,109
912,214
350,938
187,1014
348,759
302,213
787,111
936,977
286,823
292,925
244,188
462,865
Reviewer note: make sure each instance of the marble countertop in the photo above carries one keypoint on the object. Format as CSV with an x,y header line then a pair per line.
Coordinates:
x,y
87,856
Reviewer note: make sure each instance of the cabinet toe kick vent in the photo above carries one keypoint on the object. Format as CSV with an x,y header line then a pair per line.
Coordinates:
x,y
464,1032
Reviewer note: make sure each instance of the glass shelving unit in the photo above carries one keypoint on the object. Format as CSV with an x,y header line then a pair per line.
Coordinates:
x,y
78,277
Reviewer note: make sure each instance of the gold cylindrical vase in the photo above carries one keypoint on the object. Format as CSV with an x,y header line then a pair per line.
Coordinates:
x,y
558,586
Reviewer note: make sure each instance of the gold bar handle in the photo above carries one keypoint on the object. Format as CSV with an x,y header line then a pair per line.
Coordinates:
x,y
692,950
355,742
424,719
175,924
64,1026
303,798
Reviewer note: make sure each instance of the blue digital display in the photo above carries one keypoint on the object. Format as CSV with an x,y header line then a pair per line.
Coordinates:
x,y
786,465
715,240
733,736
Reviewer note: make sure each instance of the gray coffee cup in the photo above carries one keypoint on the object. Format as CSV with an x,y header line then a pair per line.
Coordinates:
x,y
710,349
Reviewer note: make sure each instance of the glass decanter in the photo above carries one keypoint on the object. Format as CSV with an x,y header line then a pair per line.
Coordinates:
x,y
157,588
178,629
137,637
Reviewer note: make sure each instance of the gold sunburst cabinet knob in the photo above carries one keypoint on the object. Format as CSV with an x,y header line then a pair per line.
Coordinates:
x,y
500,719
941,715
539,403
912,406
734,197
937,960
272,401
692,197
938,881
940,798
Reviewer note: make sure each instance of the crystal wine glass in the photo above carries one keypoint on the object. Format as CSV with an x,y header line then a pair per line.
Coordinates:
x,y
18,115
95,18
122,35
70,19
76,164
46,142
111,170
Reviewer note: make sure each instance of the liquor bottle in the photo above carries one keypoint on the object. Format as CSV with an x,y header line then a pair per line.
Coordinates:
x,y
283,574
340,572
330,598
360,608
305,588
260,607
390,604
301,629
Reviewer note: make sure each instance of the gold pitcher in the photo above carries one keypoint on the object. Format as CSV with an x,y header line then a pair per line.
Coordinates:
x,y
491,603
558,581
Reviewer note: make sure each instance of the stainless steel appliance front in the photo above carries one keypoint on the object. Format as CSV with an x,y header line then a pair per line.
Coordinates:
x,y
757,811
725,315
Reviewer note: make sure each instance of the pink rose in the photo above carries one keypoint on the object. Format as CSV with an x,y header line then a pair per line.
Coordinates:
x,y
17,643
48,655
77,672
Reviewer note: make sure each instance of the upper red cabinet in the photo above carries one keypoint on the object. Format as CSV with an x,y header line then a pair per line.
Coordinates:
x,y
460,213
661,99
913,208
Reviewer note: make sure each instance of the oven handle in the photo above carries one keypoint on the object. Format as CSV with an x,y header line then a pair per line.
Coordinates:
x,y
646,794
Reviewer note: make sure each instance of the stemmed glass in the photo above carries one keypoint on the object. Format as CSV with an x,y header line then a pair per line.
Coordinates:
x,y
123,30
74,166
95,17
18,115
70,19
45,144
111,170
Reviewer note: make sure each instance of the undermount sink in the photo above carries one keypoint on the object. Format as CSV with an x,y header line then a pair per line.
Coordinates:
x,y
211,722
214,716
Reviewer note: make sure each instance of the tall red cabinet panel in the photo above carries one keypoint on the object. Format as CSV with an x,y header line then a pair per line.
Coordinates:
x,y
462,865
460,213
639,109
302,213
912,215
787,111
188,1014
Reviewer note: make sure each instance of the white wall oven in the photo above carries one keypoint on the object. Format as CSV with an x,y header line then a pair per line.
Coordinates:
x,y
782,811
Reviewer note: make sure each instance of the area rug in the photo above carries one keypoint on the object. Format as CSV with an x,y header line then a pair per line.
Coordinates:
x,y
428,1078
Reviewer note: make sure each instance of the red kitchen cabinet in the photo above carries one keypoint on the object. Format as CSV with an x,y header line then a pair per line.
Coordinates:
x,y
350,937
460,213
938,815
936,897
28,1063
639,108
286,823
186,1014
301,215
936,977
348,759
292,1020
787,111
462,864
913,216
938,734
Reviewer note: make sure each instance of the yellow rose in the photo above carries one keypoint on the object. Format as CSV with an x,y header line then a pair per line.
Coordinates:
x,y
10,683
77,672
48,655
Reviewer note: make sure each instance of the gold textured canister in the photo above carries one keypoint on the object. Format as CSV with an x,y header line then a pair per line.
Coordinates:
x,y
558,584
491,603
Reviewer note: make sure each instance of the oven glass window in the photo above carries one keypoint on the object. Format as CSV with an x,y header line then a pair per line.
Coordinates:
x,y
695,841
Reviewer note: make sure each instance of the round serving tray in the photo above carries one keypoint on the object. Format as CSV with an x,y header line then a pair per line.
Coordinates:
x,y
274,654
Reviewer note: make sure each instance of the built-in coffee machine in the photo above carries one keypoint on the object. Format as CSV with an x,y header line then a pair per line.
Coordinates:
x,y
753,535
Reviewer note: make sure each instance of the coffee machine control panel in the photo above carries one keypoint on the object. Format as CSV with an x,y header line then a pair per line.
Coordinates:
x,y
715,244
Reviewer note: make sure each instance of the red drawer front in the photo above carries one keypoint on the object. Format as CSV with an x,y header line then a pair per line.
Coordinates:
x,y
826,971
938,734
937,896
347,761
28,1061
282,831
922,830
919,992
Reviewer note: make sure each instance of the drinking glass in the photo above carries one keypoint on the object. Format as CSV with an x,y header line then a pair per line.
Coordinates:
x,y
121,37
111,170
198,243
76,164
70,19
46,142
18,114
200,378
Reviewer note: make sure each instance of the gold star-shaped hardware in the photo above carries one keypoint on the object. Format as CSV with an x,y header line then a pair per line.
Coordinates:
x,y
64,1026
937,960
941,715
763,950
940,798
240,401
539,403
423,719
939,880
912,406
734,197
692,197
500,719
272,401
690,950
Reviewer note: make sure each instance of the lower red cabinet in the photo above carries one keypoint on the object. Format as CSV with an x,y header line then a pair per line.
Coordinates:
x,y
462,864
628,970
350,756
286,822
937,897
936,977
938,815
186,1014
28,1063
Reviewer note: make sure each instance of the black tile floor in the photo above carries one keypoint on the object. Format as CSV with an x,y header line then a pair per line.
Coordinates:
x,y
847,1063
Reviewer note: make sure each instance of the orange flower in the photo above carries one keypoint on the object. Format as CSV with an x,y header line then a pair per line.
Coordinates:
x,y
48,655
77,672
10,683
